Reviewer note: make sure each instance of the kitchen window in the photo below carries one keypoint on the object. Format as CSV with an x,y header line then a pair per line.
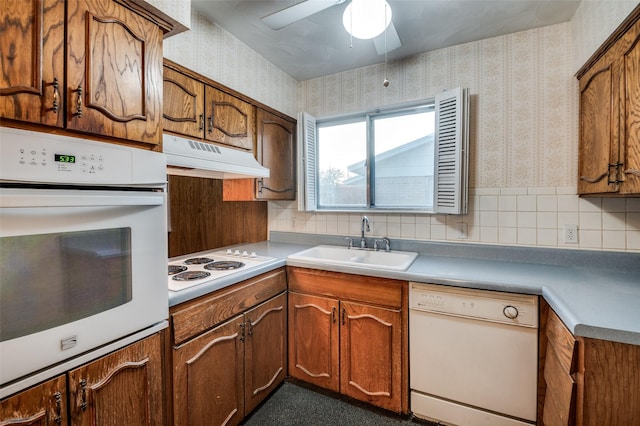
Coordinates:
x,y
410,158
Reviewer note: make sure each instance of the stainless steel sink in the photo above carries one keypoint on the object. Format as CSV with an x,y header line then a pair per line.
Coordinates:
x,y
359,258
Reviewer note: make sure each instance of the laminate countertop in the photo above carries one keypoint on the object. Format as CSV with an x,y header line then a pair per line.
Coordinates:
x,y
595,293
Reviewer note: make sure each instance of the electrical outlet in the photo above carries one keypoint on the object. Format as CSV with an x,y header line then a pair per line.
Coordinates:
x,y
571,234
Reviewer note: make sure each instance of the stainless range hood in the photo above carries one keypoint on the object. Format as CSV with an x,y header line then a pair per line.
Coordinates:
x,y
187,157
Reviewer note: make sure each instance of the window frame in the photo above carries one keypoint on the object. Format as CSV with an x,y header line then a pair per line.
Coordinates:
x,y
308,160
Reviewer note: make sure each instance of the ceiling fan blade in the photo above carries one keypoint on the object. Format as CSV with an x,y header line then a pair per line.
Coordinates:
x,y
393,40
298,11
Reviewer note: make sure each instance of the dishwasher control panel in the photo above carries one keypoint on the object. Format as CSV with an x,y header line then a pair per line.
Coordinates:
x,y
486,305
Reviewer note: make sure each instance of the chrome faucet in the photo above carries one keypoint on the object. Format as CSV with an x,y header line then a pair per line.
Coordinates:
x,y
365,226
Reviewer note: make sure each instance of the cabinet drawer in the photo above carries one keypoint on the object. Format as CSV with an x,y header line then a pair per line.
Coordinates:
x,y
562,341
194,317
360,288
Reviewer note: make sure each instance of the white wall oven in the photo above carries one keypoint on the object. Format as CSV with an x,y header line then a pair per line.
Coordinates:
x,y
83,249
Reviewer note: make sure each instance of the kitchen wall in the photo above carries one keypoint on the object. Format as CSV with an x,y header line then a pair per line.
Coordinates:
x,y
524,138
211,51
524,128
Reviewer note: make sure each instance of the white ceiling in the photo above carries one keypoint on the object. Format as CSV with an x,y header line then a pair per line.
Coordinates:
x,y
319,45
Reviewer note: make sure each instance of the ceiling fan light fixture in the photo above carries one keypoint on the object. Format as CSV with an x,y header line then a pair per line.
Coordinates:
x,y
366,19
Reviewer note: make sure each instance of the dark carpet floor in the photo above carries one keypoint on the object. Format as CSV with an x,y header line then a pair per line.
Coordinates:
x,y
292,404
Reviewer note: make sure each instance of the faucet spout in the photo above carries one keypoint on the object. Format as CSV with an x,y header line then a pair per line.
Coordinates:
x,y
363,228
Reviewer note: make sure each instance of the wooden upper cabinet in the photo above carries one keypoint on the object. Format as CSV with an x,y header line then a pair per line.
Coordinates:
x,y
114,72
229,120
32,60
609,126
183,105
276,150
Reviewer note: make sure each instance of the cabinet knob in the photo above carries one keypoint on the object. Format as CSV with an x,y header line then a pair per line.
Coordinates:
x,y
510,312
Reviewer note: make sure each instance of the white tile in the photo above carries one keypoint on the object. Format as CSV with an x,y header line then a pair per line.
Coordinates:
x,y
614,204
590,204
633,221
613,221
614,240
408,230
567,190
507,235
541,190
488,234
488,202
507,203
423,231
633,205
526,219
438,232
633,240
590,239
590,220
394,230
568,218
507,219
547,220
489,218
527,236
547,203
568,203
547,237
527,203
486,191
513,191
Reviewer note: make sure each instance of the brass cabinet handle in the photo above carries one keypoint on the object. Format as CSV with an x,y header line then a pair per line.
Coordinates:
x,y
201,126
56,95
78,112
333,314
344,313
210,119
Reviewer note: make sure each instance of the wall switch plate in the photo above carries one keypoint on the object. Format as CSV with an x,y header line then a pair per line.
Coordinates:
x,y
571,234
462,230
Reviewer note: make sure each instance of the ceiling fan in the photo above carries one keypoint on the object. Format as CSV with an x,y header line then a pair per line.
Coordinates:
x,y
385,42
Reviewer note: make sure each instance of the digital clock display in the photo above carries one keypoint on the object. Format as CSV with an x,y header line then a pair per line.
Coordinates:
x,y
65,158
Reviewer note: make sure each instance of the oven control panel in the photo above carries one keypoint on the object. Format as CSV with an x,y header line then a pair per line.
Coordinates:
x,y
27,156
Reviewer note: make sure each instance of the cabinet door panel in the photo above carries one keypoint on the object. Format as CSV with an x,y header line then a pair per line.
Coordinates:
x,y
32,60
114,72
371,357
631,135
277,152
265,350
123,388
43,405
183,105
560,396
230,121
313,337
208,377
597,112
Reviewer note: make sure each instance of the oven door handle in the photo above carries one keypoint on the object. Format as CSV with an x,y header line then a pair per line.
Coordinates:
x,y
78,198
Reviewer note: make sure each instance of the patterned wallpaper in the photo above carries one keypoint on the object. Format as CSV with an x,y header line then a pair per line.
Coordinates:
x,y
523,125
211,51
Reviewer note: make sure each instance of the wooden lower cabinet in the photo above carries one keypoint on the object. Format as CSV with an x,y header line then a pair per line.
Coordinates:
x,y
589,381
122,388
42,405
229,351
348,334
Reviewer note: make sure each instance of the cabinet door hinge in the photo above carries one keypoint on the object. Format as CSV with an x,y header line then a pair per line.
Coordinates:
x,y
615,173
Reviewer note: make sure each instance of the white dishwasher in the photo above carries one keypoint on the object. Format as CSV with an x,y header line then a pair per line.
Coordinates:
x,y
473,356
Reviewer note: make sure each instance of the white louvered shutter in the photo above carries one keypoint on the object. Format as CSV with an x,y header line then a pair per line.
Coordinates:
x,y
451,151
307,162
